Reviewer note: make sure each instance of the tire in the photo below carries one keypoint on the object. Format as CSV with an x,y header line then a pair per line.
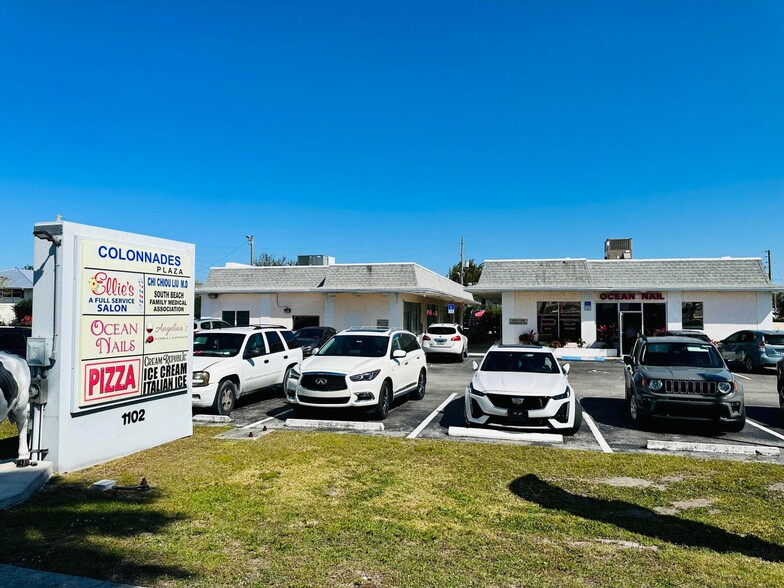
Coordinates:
x,y
578,420
748,364
225,398
737,426
285,380
781,400
637,419
419,391
384,401
462,357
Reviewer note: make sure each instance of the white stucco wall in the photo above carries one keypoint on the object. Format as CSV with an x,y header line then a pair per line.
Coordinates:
x,y
723,312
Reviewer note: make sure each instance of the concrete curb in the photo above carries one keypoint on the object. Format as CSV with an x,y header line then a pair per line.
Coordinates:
x,y
343,425
714,448
211,419
506,436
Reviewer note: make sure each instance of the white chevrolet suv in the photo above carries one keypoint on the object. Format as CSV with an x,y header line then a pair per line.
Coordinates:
x,y
228,363
522,386
361,367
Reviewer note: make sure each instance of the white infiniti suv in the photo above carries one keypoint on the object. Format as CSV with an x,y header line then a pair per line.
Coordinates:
x,y
522,386
361,367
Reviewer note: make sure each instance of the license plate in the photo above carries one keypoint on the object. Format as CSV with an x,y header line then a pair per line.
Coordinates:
x,y
518,415
440,340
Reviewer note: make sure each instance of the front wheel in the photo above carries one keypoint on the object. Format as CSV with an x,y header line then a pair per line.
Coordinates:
x,y
634,411
384,402
578,420
737,426
225,398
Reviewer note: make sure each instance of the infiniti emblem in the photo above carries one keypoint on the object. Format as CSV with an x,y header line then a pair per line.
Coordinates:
x,y
321,381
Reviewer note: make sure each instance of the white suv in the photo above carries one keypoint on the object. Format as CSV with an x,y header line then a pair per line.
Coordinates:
x,y
360,367
445,338
522,386
228,363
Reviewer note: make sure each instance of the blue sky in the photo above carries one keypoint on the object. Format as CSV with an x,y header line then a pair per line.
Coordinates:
x,y
377,132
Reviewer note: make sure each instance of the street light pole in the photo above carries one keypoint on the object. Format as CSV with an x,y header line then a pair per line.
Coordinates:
x,y
250,238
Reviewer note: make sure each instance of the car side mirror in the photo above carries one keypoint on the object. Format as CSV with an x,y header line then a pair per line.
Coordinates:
x,y
398,353
566,367
252,353
474,365
627,359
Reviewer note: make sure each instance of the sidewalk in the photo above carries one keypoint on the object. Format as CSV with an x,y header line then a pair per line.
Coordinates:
x,y
14,577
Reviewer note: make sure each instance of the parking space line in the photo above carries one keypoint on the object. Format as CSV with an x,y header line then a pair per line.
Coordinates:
x,y
597,435
741,376
761,428
426,422
266,420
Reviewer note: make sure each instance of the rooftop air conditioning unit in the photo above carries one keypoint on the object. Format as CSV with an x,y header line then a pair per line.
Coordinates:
x,y
315,260
618,249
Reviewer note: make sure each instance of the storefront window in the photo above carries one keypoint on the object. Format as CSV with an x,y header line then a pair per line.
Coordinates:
x,y
412,317
607,324
559,321
691,314
432,313
654,318
236,318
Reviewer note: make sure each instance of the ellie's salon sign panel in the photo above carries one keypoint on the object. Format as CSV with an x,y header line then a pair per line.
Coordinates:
x,y
134,322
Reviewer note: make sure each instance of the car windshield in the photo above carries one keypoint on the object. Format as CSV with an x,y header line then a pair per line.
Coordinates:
x,y
517,361
356,345
441,330
692,334
681,355
308,333
217,344
774,339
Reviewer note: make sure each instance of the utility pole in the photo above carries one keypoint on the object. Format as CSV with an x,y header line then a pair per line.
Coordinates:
x,y
462,263
770,270
250,238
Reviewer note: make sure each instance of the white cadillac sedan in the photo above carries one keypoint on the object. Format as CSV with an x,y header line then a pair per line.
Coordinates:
x,y
522,386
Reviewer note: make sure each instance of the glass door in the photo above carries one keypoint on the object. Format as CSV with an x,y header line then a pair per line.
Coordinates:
x,y
631,326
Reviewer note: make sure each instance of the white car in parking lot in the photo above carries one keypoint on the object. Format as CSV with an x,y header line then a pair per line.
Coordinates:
x,y
447,339
361,367
228,363
522,386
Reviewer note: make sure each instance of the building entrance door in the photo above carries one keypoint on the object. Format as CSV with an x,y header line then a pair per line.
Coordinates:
x,y
631,326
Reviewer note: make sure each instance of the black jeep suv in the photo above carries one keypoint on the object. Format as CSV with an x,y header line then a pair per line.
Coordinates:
x,y
682,378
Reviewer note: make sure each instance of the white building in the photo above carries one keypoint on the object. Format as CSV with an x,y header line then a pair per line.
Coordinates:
x,y
605,303
338,295
15,285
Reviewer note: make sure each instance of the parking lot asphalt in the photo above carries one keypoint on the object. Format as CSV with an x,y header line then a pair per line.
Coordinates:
x,y
599,388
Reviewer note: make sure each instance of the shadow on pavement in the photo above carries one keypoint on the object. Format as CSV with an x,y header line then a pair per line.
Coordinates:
x,y
644,521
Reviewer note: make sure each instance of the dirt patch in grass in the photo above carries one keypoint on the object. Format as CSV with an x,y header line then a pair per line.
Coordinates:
x,y
626,482
676,507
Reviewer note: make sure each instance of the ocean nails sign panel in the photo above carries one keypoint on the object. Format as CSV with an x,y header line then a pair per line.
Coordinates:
x,y
134,323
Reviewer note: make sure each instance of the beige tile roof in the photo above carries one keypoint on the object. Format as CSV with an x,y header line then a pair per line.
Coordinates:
x,y
371,277
626,274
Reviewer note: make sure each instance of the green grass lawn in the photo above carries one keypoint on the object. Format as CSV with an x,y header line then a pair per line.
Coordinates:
x,y
321,509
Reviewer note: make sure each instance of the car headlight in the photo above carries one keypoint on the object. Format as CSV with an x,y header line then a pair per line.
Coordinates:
x,y
294,374
725,387
655,385
474,391
565,394
365,377
200,379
